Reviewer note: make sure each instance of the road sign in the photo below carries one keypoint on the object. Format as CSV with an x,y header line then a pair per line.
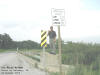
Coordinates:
x,y
58,17
43,38
44,44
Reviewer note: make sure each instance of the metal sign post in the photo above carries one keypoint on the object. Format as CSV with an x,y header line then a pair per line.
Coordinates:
x,y
17,50
44,44
44,60
58,19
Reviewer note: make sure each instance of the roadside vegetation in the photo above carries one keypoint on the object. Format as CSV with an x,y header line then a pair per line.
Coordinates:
x,y
7,50
85,57
1,50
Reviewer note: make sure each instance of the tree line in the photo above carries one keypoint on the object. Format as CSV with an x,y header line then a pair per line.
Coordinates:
x,y
6,42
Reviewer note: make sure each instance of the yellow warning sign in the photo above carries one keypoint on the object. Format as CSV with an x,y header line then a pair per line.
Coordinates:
x,y
43,38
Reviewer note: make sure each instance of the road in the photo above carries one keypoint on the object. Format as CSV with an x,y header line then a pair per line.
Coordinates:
x,y
12,64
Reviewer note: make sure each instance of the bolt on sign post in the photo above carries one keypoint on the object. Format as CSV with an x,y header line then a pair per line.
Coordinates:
x,y
43,45
58,19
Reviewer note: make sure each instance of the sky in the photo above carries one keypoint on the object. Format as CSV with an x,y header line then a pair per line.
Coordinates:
x,y
24,19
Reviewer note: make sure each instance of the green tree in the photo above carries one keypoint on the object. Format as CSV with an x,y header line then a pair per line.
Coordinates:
x,y
5,41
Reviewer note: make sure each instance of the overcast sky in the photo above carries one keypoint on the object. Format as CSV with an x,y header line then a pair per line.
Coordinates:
x,y
24,19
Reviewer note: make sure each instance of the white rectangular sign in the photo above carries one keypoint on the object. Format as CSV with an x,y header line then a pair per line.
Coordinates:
x,y
58,16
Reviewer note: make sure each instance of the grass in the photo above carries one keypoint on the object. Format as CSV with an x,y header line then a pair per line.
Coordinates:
x,y
1,50
84,70
8,50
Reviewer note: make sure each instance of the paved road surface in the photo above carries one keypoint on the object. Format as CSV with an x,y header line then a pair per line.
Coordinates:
x,y
13,64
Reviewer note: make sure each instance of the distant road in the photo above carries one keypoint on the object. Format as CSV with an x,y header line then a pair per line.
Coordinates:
x,y
11,61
